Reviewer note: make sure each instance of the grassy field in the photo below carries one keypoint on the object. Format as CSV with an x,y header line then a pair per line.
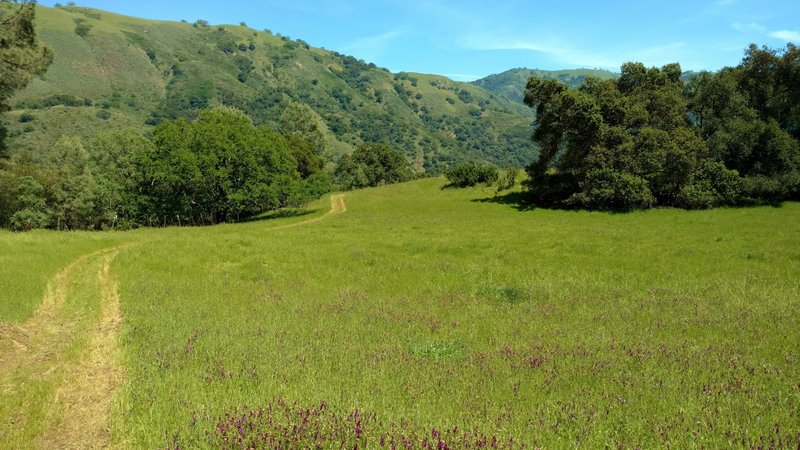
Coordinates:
x,y
416,315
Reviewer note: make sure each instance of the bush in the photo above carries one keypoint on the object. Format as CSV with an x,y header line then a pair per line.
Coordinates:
x,y
28,219
82,29
605,189
466,175
508,180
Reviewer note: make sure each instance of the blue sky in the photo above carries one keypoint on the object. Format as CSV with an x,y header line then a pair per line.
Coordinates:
x,y
469,39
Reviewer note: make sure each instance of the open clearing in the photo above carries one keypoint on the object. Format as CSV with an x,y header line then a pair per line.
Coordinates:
x,y
417,312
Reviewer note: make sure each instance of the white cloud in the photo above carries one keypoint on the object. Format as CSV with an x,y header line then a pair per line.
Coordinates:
x,y
786,35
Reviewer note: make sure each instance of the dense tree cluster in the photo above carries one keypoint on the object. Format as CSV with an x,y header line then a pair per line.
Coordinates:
x,y
372,164
218,168
648,138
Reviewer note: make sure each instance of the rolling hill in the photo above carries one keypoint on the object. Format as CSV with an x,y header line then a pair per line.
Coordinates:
x,y
112,71
511,83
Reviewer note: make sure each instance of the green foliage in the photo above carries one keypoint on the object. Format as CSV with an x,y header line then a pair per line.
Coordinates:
x,y
508,180
372,164
647,138
33,213
21,56
72,186
82,28
466,175
220,167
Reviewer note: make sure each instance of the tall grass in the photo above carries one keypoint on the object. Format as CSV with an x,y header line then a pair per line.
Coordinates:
x,y
441,309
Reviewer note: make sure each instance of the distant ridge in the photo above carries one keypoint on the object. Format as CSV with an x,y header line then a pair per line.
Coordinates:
x,y
511,83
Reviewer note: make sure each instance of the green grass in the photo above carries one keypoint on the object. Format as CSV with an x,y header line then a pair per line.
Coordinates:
x,y
29,260
437,308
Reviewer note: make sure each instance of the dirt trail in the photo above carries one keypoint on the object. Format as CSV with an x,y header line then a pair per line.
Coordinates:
x,y
77,360
61,367
338,206
85,395
33,338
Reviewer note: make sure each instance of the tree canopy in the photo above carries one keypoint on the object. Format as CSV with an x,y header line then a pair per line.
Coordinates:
x,y
648,138
372,164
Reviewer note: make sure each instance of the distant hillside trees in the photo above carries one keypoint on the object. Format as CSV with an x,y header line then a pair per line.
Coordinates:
x,y
648,139
372,164
21,56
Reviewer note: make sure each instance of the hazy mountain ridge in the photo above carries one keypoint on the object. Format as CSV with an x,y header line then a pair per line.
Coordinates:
x,y
114,71
511,83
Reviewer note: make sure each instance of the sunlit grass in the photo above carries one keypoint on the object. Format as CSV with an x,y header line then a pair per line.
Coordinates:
x,y
446,310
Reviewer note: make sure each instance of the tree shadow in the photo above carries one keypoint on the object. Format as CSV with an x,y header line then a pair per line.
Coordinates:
x,y
518,200
521,201
281,214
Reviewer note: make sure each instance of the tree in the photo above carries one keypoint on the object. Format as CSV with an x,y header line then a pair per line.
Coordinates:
x,y
33,213
220,167
21,56
614,144
72,185
299,119
372,164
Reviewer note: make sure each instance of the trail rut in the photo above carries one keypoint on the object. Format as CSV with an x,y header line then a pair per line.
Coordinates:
x,y
59,369
338,206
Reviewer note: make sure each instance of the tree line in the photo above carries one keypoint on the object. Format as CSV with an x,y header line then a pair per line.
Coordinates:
x,y
648,138
217,168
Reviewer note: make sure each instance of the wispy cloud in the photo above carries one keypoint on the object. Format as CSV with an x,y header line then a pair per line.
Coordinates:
x,y
461,76
566,53
786,35
552,47
375,45
750,27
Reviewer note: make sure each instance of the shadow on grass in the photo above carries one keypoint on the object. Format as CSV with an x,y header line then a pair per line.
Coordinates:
x,y
282,214
521,201
517,200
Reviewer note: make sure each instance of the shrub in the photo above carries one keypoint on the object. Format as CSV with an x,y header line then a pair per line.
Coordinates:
x,y
508,180
466,175
28,219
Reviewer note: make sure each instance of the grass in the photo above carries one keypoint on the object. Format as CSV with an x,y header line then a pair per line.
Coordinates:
x,y
424,314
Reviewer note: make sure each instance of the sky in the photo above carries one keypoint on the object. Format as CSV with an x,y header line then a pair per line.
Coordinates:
x,y
469,39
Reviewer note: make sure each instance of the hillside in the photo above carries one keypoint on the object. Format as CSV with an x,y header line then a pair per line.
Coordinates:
x,y
113,71
511,83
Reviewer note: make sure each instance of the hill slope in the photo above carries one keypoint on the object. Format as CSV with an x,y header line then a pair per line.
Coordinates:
x,y
114,71
511,83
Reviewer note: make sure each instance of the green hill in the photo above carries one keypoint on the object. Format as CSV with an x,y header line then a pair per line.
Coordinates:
x,y
511,83
113,71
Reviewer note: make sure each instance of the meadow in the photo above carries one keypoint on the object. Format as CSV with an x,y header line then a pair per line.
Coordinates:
x,y
410,315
